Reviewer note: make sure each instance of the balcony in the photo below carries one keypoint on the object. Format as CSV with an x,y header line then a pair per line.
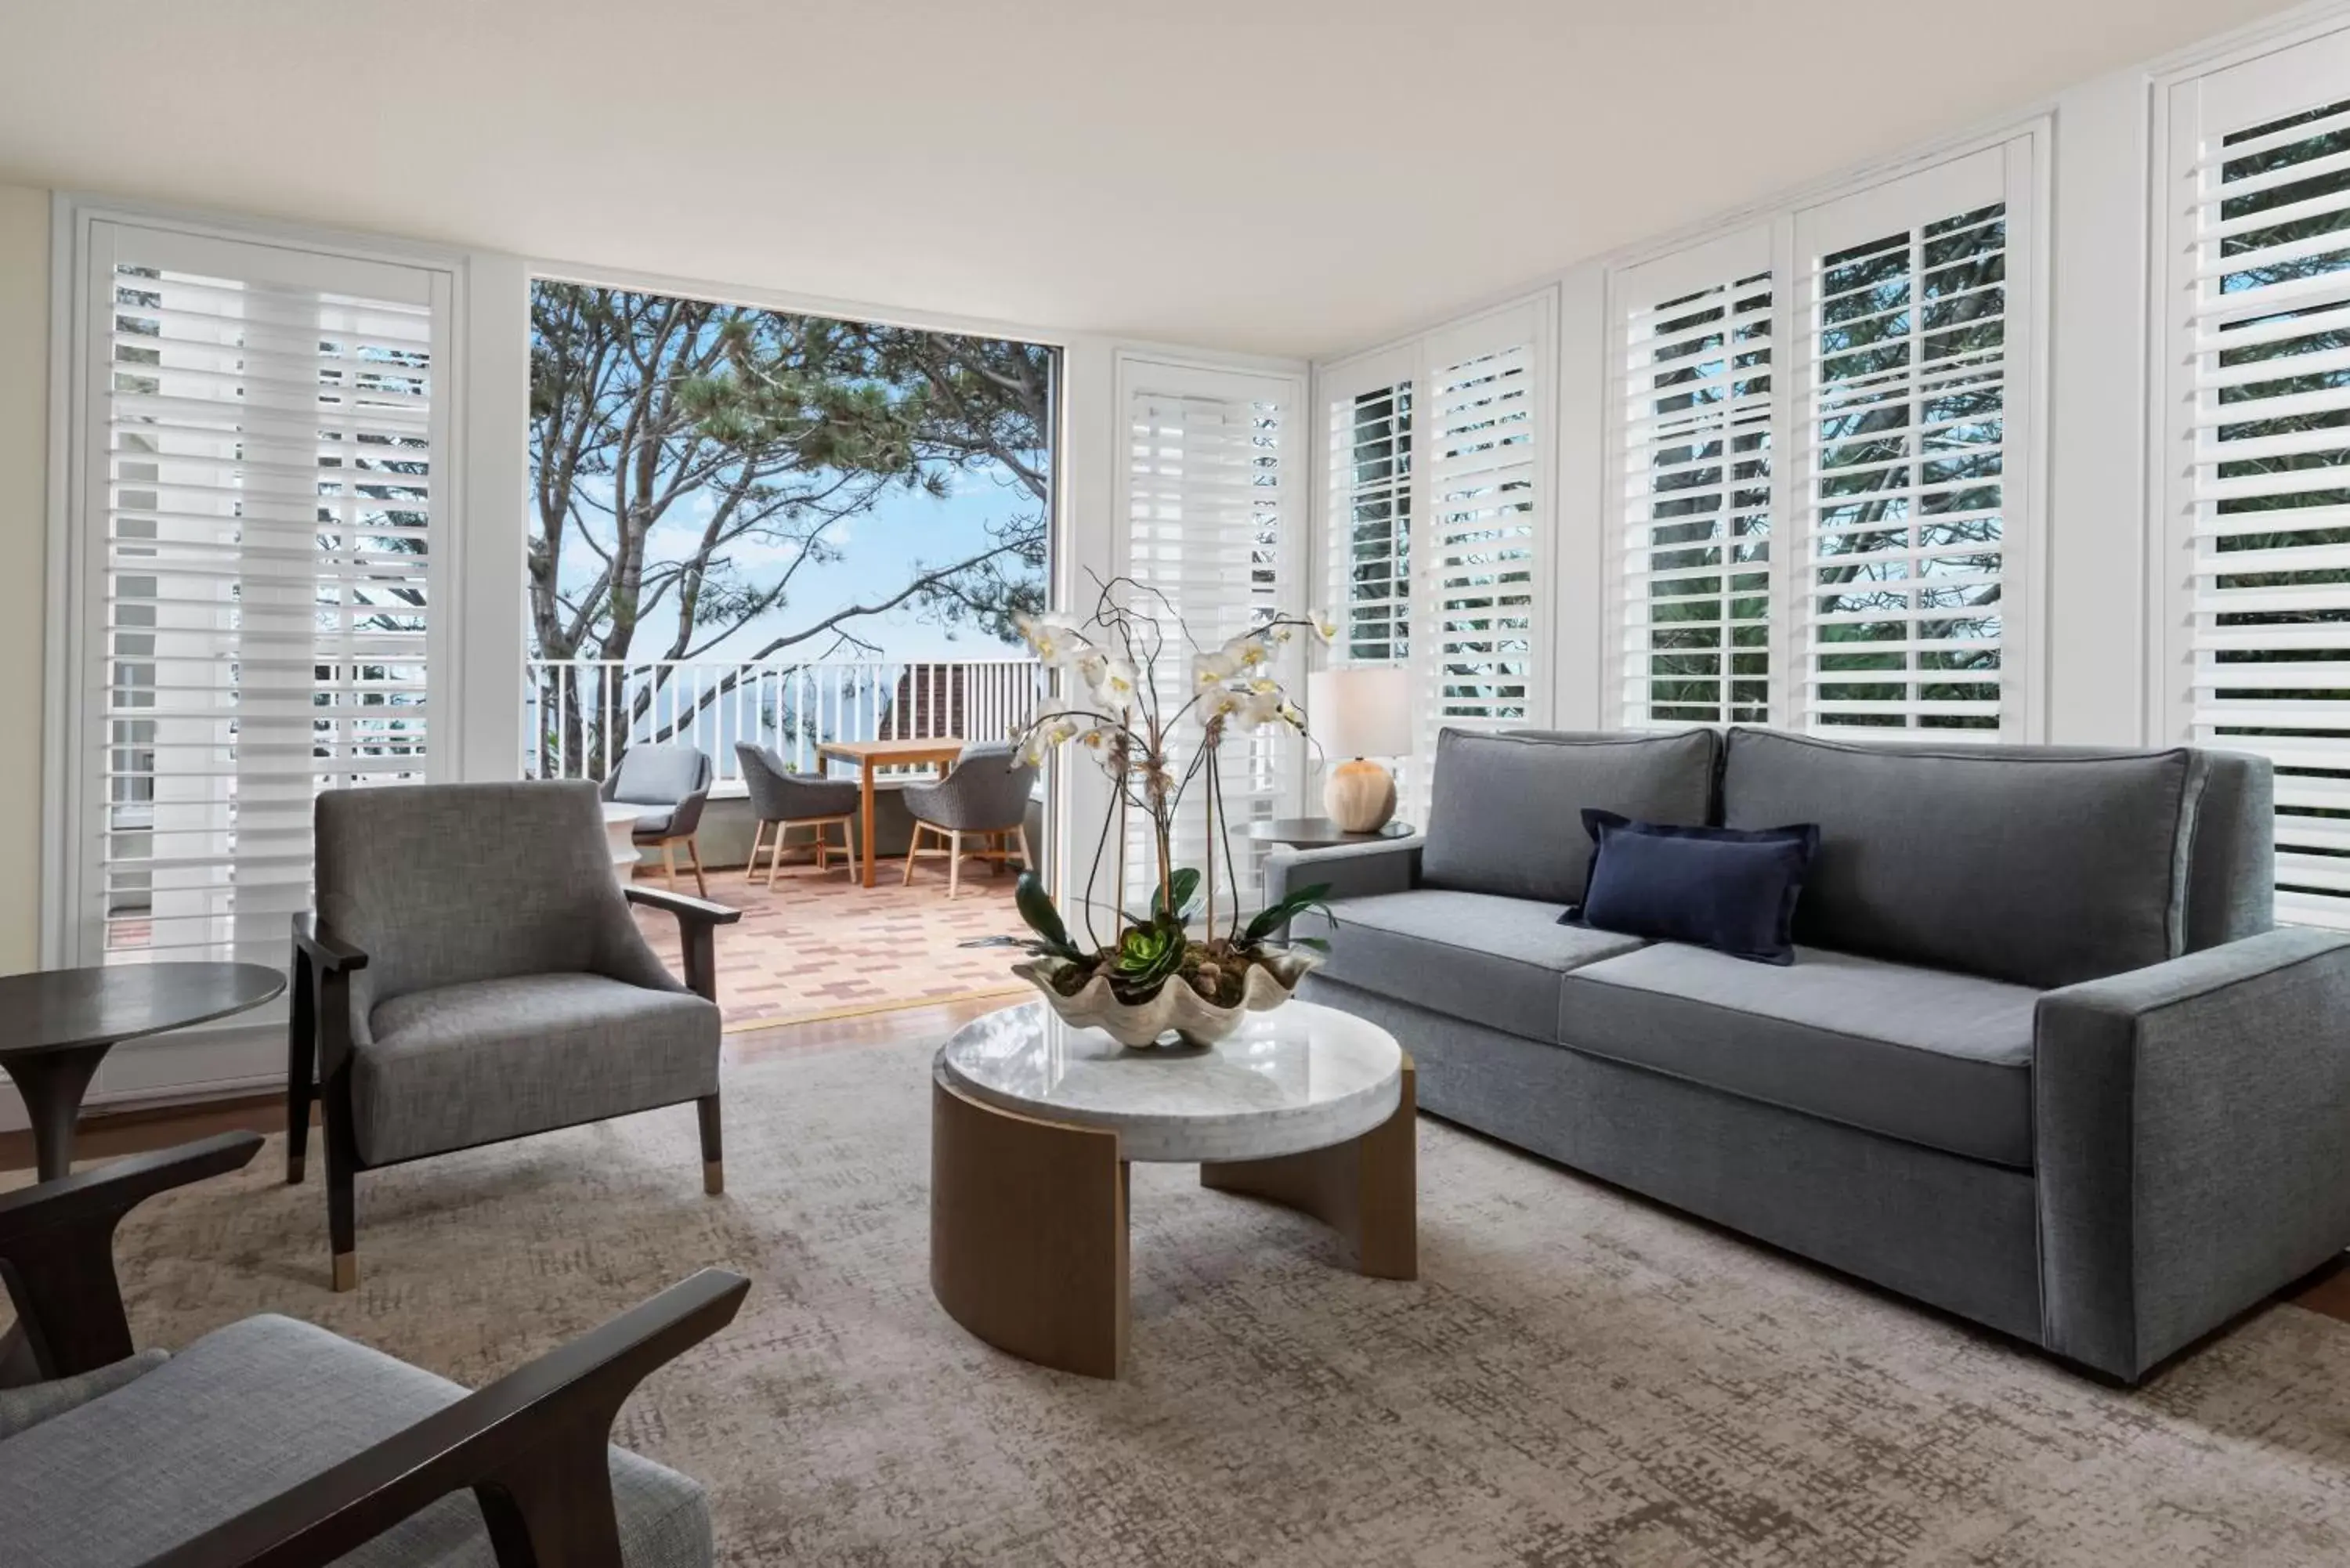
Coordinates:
x,y
817,945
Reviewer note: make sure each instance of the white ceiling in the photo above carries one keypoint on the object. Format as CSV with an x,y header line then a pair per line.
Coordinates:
x,y
1287,176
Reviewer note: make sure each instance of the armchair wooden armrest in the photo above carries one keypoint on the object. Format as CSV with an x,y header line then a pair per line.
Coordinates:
x,y
329,954
697,918
531,1446
57,1248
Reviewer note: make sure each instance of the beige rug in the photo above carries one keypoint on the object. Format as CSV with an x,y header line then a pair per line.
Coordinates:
x,y
1579,1378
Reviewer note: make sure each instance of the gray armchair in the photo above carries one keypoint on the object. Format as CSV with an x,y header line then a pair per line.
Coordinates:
x,y
473,974
783,800
672,783
270,1442
985,795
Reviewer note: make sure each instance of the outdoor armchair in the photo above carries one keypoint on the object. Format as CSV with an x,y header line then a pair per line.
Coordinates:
x,y
473,974
272,1442
784,800
672,783
985,795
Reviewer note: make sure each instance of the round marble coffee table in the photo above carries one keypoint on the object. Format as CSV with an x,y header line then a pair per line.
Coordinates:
x,y
1033,1124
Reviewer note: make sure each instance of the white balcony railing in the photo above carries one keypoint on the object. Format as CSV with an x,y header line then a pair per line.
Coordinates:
x,y
581,715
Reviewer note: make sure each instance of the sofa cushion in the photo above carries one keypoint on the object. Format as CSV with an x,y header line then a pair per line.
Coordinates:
x,y
1506,810
499,1058
1924,1055
248,1411
1492,961
2042,869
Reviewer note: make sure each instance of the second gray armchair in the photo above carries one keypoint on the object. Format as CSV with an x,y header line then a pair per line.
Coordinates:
x,y
984,796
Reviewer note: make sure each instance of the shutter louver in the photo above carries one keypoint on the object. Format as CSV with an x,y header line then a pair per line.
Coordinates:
x,y
2269,342
1370,535
267,455
1697,507
1207,494
1904,562
1478,624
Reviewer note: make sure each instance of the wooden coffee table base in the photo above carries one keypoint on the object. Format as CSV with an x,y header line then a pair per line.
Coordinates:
x,y
1028,1220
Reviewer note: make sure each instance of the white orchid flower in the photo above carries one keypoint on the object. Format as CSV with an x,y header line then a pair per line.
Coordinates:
x,y
1222,702
1326,625
1091,665
1247,651
1114,687
1212,670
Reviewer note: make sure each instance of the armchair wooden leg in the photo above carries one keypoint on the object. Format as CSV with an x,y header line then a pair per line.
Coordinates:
x,y
693,848
847,845
913,848
342,1207
301,1067
758,840
954,861
1027,861
714,1156
668,862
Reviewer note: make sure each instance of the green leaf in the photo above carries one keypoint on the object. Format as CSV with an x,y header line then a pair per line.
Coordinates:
x,y
1319,944
1183,887
1272,918
1035,907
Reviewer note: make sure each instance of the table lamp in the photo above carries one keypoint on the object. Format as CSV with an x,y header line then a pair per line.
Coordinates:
x,y
1359,712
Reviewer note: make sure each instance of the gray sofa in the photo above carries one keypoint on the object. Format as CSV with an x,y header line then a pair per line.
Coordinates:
x,y
2042,1060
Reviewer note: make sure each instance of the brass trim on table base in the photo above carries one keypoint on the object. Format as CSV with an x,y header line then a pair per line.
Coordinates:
x,y
1367,1189
1028,1220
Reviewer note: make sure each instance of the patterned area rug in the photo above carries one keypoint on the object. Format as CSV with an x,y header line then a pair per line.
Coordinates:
x,y
1578,1378
821,946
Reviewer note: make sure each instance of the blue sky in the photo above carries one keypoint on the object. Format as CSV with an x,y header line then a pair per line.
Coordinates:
x,y
879,549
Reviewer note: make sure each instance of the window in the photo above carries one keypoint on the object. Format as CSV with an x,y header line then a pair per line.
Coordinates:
x,y
2256,312
257,437
1697,500
1370,529
1877,405
1479,632
1207,494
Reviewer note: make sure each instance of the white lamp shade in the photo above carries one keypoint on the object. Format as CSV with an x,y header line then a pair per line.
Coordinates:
x,y
1364,711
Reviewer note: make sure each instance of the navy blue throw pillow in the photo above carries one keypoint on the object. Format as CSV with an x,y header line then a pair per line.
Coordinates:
x,y
1731,889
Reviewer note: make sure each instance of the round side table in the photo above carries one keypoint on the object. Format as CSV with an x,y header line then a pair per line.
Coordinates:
x,y
56,1025
1320,833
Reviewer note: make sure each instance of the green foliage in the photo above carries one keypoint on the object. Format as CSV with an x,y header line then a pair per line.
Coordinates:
x,y
1272,918
1036,907
1184,885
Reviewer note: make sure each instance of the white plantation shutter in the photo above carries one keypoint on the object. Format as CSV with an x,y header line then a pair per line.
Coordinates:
x,y
2257,320
1369,533
1695,415
1479,632
1908,478
1208,481
258,438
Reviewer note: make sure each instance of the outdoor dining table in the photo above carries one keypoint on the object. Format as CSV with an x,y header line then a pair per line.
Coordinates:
x,y
868,756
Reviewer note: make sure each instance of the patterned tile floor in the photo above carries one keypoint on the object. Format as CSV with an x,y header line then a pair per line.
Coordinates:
x,y
821,946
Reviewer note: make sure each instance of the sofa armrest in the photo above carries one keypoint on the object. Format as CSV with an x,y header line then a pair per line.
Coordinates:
x,y
532,1447
1352,870
2191,1133
57,1248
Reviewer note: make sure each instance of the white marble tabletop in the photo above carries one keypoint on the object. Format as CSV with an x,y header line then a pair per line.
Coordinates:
x,y
1298,1077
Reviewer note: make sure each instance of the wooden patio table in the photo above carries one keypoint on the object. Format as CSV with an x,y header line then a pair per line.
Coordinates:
x,y
870,754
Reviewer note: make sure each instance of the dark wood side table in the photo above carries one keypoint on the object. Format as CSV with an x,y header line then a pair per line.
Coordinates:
x,y
56,1025
1319,832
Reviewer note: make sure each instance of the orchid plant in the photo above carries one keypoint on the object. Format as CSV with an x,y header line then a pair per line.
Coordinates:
x,y
1112,709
